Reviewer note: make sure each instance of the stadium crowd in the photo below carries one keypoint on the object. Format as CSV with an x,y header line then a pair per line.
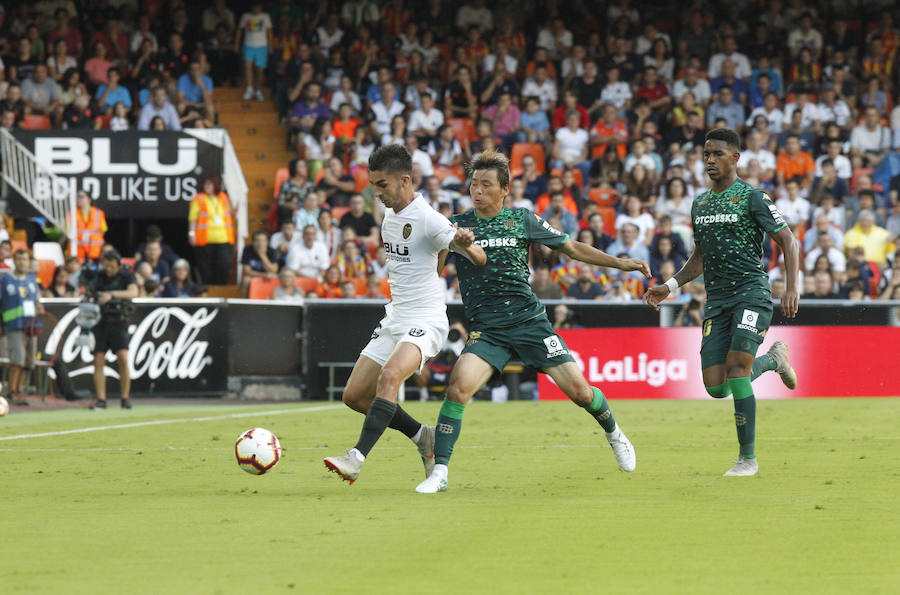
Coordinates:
x,y
603,112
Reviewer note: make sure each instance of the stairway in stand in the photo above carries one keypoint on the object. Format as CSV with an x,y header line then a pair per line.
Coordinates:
x,y
259,141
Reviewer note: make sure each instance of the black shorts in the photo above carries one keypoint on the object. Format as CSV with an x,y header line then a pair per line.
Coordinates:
x,y
110,336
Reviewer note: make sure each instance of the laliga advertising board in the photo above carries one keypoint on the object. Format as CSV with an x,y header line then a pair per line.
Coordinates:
x,y
664,363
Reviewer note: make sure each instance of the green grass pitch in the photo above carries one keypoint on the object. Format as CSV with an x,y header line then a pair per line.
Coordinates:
x,y
536,503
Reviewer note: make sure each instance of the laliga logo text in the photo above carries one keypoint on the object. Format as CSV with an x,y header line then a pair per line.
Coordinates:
x,y
184,358
655,372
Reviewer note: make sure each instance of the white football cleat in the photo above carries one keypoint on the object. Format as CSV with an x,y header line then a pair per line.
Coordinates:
x,y
426,448
434,483
779,352
743,468
347,466
248,94
623,449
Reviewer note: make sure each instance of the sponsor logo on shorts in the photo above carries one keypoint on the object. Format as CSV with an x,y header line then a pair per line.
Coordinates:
x,y
707,327
473,337
749,320
554,346
416,332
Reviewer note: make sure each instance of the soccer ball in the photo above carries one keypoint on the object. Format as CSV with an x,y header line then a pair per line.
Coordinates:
x,y
257,451
4,407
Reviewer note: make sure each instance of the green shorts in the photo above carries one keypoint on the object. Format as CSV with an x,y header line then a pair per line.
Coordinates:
x,y
534,342
740,327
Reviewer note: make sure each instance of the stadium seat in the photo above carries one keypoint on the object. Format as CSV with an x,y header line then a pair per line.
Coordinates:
x,y
360,284
281,174
307,284
385,288
19,245
272,218
362,179
261,288
128,261
338,212
49,251
45,272
442,173
862,171
36,122
604,197
609,220
319,175
463,129
519,150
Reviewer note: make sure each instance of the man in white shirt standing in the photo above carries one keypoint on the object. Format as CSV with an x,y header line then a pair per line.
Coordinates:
x,y
772,113
842,164
742,64
416,239
869,142
542,87
309,257
419,157
794,208
825,245
383,111
764,157
424,123
694,84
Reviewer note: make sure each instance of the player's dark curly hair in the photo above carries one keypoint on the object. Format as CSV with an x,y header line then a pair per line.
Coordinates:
x,y
724,134
491,160
394,159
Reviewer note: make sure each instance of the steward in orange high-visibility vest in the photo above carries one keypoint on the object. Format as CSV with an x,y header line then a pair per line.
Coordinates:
x,y
90,225
211,232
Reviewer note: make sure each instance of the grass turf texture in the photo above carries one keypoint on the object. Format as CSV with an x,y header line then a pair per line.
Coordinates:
x,y
536,503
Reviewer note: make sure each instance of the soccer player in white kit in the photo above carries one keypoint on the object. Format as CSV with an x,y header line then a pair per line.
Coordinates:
x,y
416,238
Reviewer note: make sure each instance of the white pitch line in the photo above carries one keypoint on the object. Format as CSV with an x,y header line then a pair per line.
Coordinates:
x,y
158,422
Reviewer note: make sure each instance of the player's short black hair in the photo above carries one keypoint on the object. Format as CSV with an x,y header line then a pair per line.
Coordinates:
x,y
491,160
394,159
730,137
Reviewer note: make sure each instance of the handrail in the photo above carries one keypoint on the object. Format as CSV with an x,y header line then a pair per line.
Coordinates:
x,y
50,194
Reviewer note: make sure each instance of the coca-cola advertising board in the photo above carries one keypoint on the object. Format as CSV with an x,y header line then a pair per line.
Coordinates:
x,y
664,363
129,174
176,348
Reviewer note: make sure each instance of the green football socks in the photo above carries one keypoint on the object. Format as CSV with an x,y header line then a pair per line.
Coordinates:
x,y
763,363
449,423
599,410
744,415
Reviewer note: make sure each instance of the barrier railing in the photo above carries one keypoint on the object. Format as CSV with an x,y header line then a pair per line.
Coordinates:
x,y
50,194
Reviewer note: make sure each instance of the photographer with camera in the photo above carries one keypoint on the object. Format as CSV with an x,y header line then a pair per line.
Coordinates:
x,y
112,288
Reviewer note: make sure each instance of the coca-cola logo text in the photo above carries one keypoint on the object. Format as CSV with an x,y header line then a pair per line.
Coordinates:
x,y
150,354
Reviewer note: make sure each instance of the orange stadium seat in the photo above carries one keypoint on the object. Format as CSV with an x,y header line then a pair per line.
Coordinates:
x,y
36,122
362,179
604,197
19,245
261,288
338,212
45,272
319,175
442,172
385,288
128,261
281,174
519,150
609,220
463,129
308,284
359,283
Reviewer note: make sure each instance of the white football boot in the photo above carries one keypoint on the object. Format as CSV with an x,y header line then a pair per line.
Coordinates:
x,y
623,449
434,483
347,466
743,468
779,352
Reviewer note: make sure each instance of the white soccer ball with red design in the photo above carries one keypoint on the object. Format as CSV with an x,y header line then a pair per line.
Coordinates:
x,y
4,407
257,450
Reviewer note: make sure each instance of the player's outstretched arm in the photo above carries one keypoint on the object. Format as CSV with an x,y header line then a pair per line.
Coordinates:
x,y
584,253
790,301
691,270
463,242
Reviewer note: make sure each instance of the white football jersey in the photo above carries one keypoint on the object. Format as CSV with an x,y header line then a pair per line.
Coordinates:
x,y
413,238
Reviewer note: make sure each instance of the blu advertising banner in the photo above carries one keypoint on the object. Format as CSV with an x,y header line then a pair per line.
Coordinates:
x,y
664,363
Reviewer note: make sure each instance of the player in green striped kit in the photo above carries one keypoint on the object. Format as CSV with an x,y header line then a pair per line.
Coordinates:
x,y
731,220
507,318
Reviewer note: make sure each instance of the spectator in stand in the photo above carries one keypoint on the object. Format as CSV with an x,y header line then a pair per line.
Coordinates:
x,y
535,124
654,91
864,200
568,220
195,99
633,215
180,285
306,111
843,167
505,120
255,30
293,191
823,287
742,64
541,86
60,61
542,286
794,208
41,95
212,232
309,213
726,108
317,146
570,148
662,251
459,97
501,81
331,282
360,221
21,64
59,285
829,183
585,288
689,136
825,248
875,240
98,65
159,268
111,93
822,226
570,102
287,290
328,233
833,109
425,122
692,83
627,242
870,142
63,30
774,117
794,162
281,241
346,94
351,261
336,185
258,260
308,257
159,106
385,109
444,149
535,183
756,151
